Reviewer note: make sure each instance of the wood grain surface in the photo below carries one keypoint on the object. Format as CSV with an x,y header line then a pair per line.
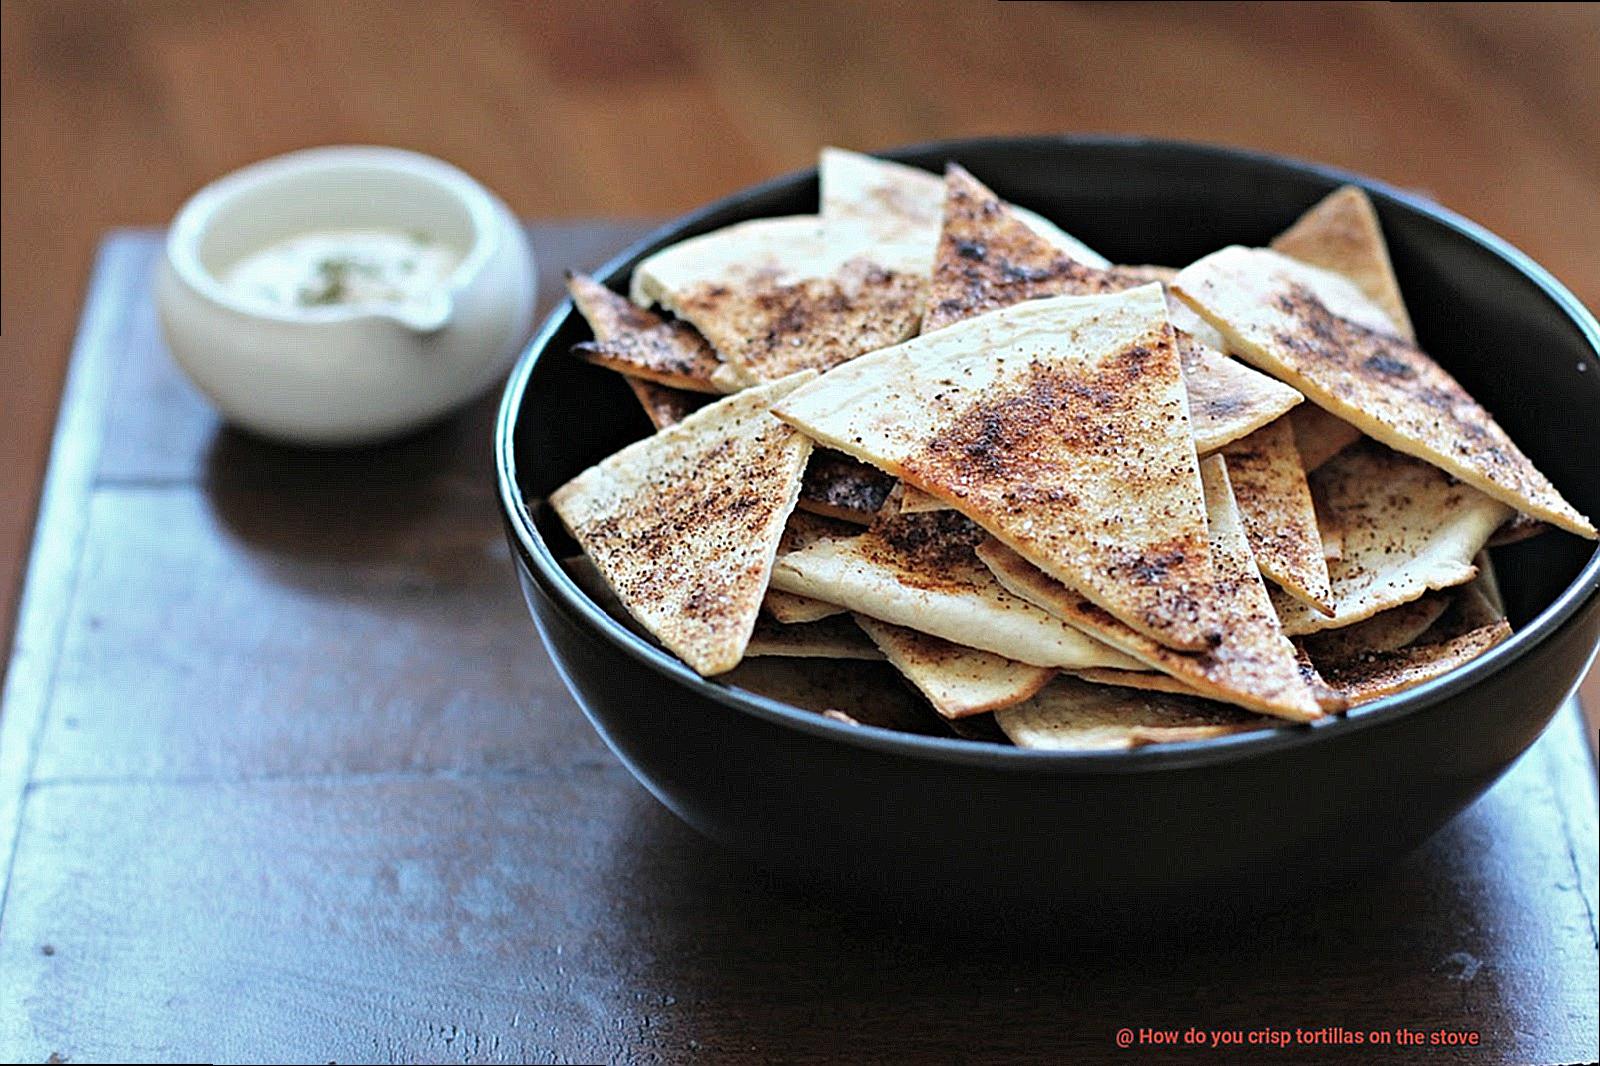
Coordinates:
x,y
113,112
285,776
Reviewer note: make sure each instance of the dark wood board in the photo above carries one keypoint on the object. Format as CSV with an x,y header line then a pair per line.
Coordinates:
x,y
285,775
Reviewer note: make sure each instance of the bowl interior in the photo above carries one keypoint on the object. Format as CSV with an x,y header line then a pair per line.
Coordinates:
x,y
1515,339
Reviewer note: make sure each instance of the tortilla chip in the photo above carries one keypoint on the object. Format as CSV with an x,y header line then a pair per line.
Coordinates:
x,y
1386,631
1341,233
988,258
1227,400
1408,528
633,341
915,501
1144,680
1331,701
830,638
1377,674
918,571
1317,331
790,609
958,681
851,691
1319,436
1060,425
1471,606
1253,665
838,486
662,405
1488,581
1280,520
684,525
778,295
1073,715
887,193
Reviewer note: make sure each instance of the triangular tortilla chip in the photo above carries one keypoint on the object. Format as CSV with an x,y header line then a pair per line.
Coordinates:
x,y
684,525
777,295
838,486
918,571
830,638
1377,674
887,193
1253,666
662,405
1468,607
802,529
1317,331
633,341
1319,436
1073,715
852,691
1341,233
790,609
988,260
1386,631
1144,680
1280,520
958,681
1408,528
1059,425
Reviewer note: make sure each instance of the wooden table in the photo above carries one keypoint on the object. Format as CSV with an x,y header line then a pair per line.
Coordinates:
x,y
286,776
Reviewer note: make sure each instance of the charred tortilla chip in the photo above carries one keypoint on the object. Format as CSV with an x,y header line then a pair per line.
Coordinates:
x,y
684,525
1073,715
1280,520
1253,665
1059,425
779,295
957,680
1319,332
841,487
1408,528
1341,233
1378,674
830,638
918,571
636,342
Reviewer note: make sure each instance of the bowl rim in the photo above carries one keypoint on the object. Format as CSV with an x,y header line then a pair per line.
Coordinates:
x,y
541,563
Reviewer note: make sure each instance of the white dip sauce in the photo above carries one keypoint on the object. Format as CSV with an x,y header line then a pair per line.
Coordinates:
x,y
343,268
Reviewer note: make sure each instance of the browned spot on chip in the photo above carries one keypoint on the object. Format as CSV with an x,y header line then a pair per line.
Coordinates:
x,y
641,344
665,406
1377,674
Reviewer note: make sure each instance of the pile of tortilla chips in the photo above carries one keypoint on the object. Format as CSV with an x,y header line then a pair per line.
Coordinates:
x,y
925,461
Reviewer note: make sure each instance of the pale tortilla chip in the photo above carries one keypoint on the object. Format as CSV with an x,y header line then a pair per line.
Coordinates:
x,y
918,571
1386,631
778,295
662,405
1341,233
1318,331
1319,436
1408,528
1375,675
1073,715
1145,680
790,609
830,638
839,486
1280,520
887,193
1059,425
1253,665
958,681
846,690
684,525
633,341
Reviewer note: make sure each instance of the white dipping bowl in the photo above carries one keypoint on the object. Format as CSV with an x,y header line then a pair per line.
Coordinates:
x,y
342,375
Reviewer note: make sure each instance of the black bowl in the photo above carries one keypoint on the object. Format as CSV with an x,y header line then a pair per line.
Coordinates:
x,y
950,825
